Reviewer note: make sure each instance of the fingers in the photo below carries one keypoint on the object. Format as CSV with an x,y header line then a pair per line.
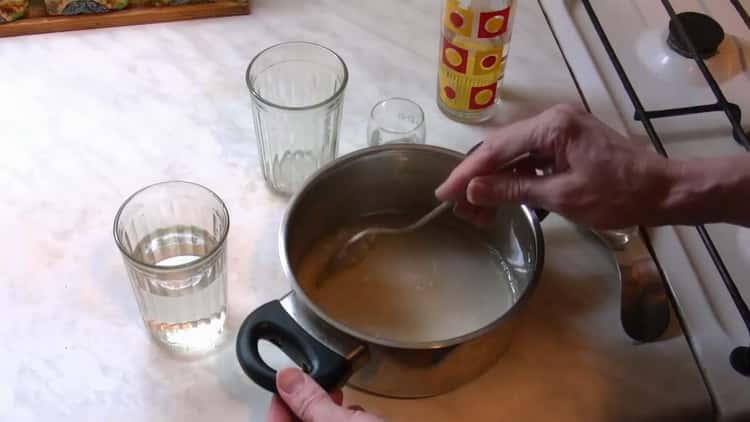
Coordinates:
x,y
508,143
310,403
278,412
482,161
538,136
495,189
479,216
306,399
337,397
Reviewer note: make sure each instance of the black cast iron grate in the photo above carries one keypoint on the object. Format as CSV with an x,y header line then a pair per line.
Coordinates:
x,y
740,356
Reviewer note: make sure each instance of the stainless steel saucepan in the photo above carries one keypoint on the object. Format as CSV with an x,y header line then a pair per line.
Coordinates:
x,y
383,179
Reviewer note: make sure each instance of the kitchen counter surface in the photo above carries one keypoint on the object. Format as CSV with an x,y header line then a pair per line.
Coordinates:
x,y
89,117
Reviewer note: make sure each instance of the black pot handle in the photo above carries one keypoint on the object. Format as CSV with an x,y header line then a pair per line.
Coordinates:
x,y
272,322
541,214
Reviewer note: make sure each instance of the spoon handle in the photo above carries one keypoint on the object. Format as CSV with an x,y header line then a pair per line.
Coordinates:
x,y
446,205
428,217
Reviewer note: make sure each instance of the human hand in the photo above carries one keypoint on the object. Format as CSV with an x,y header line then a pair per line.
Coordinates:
x,y
301,399
592,174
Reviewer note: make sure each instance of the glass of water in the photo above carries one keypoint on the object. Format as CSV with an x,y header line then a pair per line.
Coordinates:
x,y
297,91
396,120
172,238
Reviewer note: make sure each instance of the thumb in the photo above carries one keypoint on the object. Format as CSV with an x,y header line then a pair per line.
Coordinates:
x,y
308,400
496,189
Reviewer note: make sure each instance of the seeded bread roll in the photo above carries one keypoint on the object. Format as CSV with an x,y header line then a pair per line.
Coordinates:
x,y
11,10
78,7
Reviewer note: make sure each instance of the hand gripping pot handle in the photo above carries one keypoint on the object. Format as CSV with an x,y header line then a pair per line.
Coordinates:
x,y
273,323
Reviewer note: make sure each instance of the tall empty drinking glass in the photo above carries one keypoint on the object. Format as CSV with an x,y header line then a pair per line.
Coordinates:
x,y
172,238
297,91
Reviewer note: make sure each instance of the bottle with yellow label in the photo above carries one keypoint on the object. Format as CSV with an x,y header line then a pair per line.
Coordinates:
x,y
474,44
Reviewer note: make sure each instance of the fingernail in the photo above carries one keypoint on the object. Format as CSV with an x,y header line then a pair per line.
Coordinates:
x,y
291,380
439,191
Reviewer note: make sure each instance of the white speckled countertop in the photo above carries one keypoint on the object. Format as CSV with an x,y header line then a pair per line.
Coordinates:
x,y
88,117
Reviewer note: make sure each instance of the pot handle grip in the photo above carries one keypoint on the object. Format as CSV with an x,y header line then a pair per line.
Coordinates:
x,y
271,322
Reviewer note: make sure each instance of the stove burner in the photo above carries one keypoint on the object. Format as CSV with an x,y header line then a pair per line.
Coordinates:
x,y
704,32
740,360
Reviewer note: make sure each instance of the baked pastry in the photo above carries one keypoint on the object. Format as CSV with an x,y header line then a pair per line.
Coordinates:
x,y
11,10
78,7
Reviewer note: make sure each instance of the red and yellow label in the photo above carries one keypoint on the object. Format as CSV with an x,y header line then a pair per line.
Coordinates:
x,y
455,57
487,62
458,19
467,79
470,57
493,24
482,96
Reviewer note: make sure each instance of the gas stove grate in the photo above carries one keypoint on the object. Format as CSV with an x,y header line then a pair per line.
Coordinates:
x,y
741,10
740,356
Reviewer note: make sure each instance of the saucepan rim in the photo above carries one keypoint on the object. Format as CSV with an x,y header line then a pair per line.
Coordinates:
x,y
530,215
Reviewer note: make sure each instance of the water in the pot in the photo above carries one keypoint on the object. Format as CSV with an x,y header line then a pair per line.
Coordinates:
x,y
437,283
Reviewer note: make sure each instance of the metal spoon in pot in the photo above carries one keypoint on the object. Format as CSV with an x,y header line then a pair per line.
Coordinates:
x,y
356,248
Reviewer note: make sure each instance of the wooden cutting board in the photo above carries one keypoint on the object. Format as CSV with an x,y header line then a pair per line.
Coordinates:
x,y
137,12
